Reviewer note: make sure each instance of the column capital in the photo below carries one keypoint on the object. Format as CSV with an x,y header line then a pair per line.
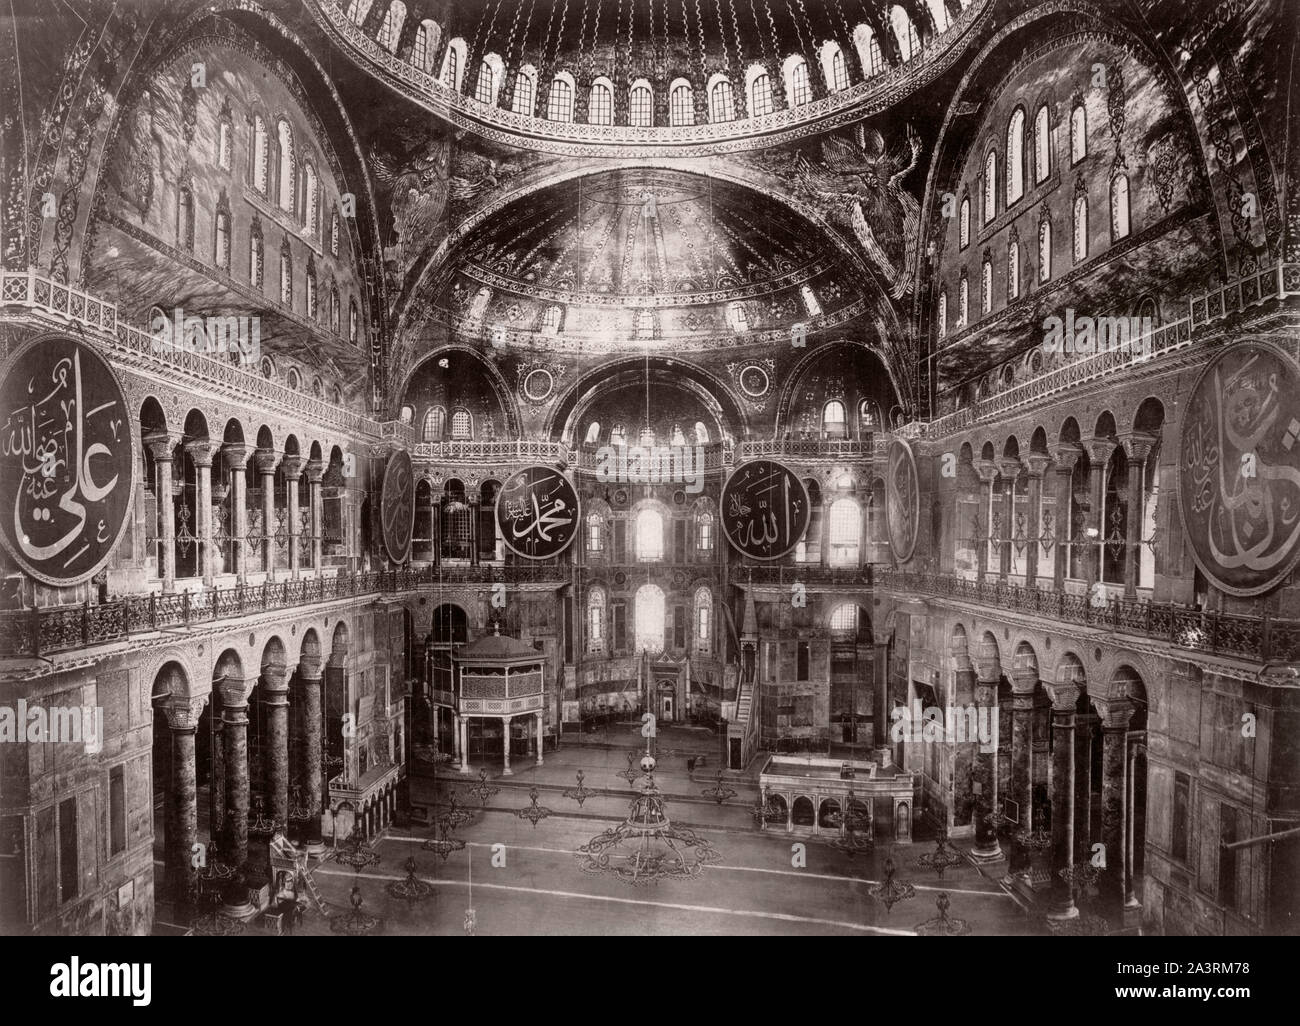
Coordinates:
x,y
1137,445
986,469
265,460
235,454
1009,467
1065,455
1063,693
1115,712
183,713
1024,680
315,470
161,443
201,451
234,691
1099,449
292,466
1036,464
276,677
309,668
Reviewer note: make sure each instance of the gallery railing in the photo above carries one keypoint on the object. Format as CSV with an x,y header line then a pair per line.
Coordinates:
x,y
1262,638
44,631
802,573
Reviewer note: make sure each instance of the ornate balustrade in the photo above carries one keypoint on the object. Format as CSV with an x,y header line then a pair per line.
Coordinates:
x,y
803,573
523,451
810,448
1261,638
47,630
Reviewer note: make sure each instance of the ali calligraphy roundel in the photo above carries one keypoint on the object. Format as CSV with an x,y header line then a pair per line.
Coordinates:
x,y
1239,468
67,460
397,505
765,509
902,500
537,512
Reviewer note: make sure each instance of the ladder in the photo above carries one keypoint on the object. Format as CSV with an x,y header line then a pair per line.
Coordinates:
x,y
285,856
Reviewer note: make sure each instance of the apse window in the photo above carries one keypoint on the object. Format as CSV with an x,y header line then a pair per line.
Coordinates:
x,y
596,621
703,620
905,32
285,180
796,82
462,425
963,223
649,536
839,77
1016,157
1080,227
1042,146
1013,270
810,302
593,432
990,186
963,301
426,42
701,433
704,532
485,87
868,47
357,10
641,107
834,420
595,533
1119,225
845,532
986,285
435,424
559,105
844,619
1078,134
391,29
681,105
760,96
525,91
650,618
721,105
1044,251
601,108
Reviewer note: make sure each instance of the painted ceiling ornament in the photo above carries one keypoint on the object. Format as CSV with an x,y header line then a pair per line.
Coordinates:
x,y
1239,469
902,500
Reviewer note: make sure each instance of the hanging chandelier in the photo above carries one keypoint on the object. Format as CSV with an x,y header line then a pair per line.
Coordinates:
x,y
412,890
355,923
943,925
355,852
856,838
455,814
534,813
444,845
944,856
766,810
889,891
260,825
483,790
719,792
646,848
580,793
630,774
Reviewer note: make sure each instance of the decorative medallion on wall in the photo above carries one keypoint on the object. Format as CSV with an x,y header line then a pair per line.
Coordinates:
x,y
902,500
754,379
619,500
765,509
1239,469
537,512
397,505
537,382
67,460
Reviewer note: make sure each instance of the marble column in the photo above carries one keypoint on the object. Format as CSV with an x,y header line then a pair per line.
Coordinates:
x,y
1024,682
201,453
505,744
1099,452
181,874
473,533
234,733
160,448
1064,695
309,683
1137,447
987,471
984,784
292,466
1115,716
275,700
1132,754
462,731
540,728
217,778
1010,469
264,461
315,472
1064,456
1083,724
1037,465
236,459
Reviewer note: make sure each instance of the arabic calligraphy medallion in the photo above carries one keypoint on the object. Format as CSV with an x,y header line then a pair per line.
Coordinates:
x,y
397,505
765,509
902,500
67,460
1239,468
537,512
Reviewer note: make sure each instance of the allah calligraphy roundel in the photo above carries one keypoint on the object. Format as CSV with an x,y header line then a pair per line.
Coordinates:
x,y
902,500
1239,468
537,512
67,460
765,509
397,505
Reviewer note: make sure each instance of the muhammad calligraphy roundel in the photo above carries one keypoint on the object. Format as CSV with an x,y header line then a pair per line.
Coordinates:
x,y
765,509
397,505
1239,468
67,460
537,512
902,500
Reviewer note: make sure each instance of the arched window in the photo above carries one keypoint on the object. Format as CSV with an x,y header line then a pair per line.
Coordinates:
x,y
990,186
1044,250
462,426
354,323
600,110
737,318
479,304
1016,156
357,10
703,620
939,12
596,620
286,274
593,432
797,91
905,32
649,605
943,312
223,144
834,69
256,256
834,420
311,216
845,532
310,280
963,301
551,320
435,424
426,45
453,64
336,311
1119,225
185,219
285,177
1078,134
559,105
645,323
647,437
485,88
701,433
722,106
1013,270
963,223
334,233
649,536
759,89
641,105
810,302
986,285
221,240
525,91
618,435
391,29
844,619
1080,227
868,47
681,103
595,531
704,532
1042,146
260,147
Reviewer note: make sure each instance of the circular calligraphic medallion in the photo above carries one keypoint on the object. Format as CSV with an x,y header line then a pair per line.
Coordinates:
x,y
765,509
902,500
397,505
1239,468
539,383
537,512
67,460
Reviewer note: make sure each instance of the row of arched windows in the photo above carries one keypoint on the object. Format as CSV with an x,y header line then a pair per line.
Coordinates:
x,y
434,428
650,621
618,435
